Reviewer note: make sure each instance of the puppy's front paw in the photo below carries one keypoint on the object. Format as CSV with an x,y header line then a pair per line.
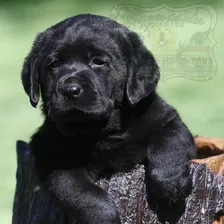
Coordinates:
x,y
107,213
167,193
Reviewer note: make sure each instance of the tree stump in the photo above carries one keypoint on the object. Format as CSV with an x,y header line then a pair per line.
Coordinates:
x,y
34,205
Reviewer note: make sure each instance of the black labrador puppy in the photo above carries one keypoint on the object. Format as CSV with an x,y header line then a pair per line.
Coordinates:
x,y
102,115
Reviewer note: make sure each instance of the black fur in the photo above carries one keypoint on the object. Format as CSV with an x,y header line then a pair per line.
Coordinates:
x,y
116,120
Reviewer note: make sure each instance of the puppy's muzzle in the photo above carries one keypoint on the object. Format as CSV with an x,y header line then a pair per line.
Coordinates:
x,y
70,88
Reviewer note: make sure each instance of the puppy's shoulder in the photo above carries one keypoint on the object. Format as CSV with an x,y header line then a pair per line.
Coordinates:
x,y
159,111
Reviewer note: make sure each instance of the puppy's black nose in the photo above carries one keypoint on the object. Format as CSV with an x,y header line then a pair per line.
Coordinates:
x,y
71,90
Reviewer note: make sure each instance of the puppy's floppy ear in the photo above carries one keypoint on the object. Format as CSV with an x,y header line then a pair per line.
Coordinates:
x,y
143,72
30,80
30,73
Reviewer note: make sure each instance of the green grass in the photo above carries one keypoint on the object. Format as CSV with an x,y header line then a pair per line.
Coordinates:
x,y
200,104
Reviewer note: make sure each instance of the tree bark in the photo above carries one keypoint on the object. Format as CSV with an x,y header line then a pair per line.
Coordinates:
x,y
33,204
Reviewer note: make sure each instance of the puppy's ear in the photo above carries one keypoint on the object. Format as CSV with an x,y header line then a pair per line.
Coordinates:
x,y
30,79
30,73
143,72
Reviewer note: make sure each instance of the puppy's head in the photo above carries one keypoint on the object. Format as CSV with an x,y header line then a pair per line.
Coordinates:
x,y
85,67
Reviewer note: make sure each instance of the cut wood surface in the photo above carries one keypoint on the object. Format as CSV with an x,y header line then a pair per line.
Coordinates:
x,y
209,146
33,204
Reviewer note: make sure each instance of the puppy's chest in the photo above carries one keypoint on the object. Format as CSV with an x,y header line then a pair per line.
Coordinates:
x,y
106,157
118,157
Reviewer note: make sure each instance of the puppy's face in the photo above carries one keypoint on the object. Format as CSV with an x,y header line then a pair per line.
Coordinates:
x,y
85,67
82,75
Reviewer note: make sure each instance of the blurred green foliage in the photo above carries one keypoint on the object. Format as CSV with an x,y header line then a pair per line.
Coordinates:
x,y
200,104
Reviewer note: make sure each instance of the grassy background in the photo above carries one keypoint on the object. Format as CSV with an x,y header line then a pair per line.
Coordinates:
x,y
200,104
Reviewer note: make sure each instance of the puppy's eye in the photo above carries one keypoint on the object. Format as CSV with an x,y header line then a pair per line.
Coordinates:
x,y
97,62
55,64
